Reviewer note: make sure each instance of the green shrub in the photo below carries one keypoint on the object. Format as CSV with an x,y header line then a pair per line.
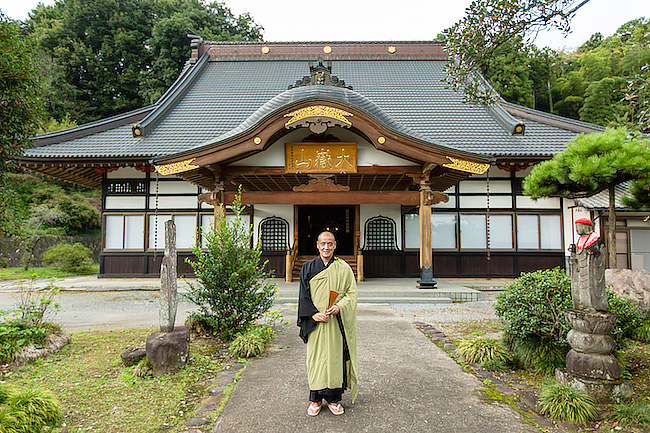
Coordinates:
x,y
564,402
541,356
532,307
251,343
628,318
642,332
483,350
232,288
71,258
16,334
632,415
27,411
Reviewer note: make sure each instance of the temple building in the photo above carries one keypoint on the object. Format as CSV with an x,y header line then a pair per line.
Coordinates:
x,y
363,139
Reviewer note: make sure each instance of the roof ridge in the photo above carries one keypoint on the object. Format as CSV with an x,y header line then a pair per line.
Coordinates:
x,y
550,118
92,127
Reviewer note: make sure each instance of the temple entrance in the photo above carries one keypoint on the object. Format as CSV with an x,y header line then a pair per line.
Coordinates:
x,y
314,219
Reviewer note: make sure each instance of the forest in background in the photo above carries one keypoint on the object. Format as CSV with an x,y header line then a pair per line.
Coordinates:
x,y
99,58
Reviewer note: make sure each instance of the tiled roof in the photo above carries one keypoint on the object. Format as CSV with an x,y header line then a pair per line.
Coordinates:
x,y
224,96
600,201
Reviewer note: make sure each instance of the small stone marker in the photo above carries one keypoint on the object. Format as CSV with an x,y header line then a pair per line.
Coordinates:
x,y
168,285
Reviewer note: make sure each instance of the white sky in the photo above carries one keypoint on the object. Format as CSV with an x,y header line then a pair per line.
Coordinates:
x,y
391,20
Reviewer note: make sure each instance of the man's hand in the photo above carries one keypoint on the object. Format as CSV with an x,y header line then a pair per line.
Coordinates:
x,y
334,309
319,317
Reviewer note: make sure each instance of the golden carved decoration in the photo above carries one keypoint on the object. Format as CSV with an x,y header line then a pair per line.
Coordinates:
x,y
392,49
176,167
327,49
381,140
257,140
318,110
321,184
467,166
265,50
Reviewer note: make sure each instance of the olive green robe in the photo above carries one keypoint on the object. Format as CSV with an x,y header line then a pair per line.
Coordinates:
x,y
325,345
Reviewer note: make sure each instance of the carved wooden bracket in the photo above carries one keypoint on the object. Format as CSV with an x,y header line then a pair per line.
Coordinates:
x,y
435,197
215,197
321,183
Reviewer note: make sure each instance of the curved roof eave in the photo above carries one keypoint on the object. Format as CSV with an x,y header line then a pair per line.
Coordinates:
x,y
293,97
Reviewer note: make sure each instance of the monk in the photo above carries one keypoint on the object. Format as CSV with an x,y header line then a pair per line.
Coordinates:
x,y
327,317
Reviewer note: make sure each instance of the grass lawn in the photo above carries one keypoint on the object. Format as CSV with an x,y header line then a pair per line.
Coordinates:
x,y
44,272
98,394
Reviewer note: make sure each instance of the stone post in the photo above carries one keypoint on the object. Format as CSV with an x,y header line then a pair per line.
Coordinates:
x,y
168,284
590,364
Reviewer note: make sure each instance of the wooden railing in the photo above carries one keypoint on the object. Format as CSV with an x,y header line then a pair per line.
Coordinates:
x,y
291,259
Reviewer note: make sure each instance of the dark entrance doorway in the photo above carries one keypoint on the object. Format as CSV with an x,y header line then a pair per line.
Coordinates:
x,y
314,219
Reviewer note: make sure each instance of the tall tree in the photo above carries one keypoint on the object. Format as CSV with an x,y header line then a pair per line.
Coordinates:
x,y
20,106
590,164
103,57
488,25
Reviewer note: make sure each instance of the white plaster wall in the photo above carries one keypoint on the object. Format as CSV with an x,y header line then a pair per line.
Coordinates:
x,y
367,154
393,211
261,211
116,202
176,187
525,202
126,173
174,202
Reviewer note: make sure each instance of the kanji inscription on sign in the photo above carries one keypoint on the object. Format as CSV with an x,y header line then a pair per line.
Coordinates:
x,y
320,157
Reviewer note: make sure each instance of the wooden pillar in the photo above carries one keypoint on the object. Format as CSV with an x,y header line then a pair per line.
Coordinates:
x,y
426,256
427,199
215,198
357,242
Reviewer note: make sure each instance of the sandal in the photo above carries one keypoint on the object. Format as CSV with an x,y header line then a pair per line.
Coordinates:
x,y
313,411
336,408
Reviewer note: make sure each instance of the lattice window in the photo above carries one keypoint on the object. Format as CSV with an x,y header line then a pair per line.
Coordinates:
x,y
274,234
380,234
126,187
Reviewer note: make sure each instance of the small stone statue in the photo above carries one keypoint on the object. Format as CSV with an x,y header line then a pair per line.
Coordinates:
x,y
588,269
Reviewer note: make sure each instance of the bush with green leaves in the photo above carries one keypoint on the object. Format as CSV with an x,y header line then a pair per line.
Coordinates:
x,y
252,342
483,350
74,258
628,317
567,403
232,288
27,411
632,414
532,307
642,332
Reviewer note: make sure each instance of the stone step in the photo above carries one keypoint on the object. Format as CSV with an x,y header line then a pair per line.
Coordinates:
x,y
383,300
396,296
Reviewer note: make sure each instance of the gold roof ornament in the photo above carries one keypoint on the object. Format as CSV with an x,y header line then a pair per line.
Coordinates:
x,y
466,166
176,167
318,118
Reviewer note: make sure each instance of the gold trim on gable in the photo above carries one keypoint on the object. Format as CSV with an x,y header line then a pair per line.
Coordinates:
x,y
176,167
467,166
316,111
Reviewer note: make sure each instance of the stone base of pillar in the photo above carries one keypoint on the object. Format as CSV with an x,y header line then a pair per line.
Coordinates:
x,y
427,284
426,280
602,391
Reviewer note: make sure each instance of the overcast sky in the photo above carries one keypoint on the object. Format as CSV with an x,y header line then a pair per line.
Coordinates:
x,y
394,20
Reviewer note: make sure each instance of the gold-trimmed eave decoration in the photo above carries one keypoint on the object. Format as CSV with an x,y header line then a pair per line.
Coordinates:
x,y
466,166
318,111
176,167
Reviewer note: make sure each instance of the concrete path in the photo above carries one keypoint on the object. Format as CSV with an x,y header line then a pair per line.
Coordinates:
x,y
406,384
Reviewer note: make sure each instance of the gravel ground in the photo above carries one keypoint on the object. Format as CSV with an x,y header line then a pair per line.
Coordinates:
x,y
456,320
